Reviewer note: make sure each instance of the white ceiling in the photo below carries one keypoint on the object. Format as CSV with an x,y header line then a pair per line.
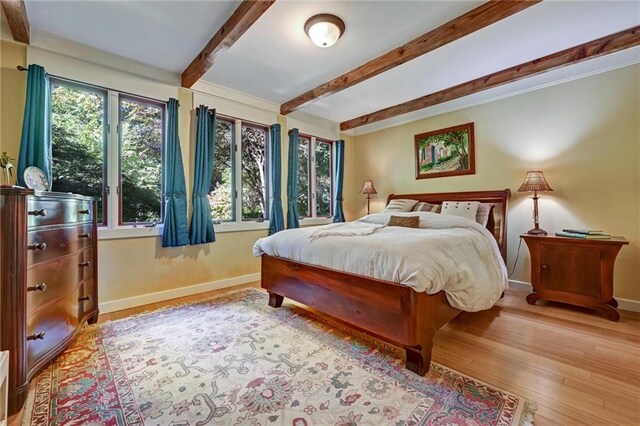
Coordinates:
x,y
275,61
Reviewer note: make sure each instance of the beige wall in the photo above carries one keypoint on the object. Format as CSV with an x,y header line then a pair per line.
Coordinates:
x,y
13,84
138,266
584,135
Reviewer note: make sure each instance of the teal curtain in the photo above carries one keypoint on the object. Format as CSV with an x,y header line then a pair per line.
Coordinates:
x,y
338,212
201,231
35,145
293,216
175,232
276,215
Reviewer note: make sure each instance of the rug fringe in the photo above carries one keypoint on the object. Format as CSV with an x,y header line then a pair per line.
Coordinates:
x,y
530,407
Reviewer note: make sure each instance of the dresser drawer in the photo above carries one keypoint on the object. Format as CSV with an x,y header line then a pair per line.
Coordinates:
x,y
86,299
52,280
43,245
49,327
53,212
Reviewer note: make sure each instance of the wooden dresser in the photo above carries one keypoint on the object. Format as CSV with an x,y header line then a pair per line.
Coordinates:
x,y
575,271
48,278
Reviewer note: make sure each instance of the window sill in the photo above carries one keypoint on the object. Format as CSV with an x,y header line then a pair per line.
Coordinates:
x,y
221,228
314,221
129,232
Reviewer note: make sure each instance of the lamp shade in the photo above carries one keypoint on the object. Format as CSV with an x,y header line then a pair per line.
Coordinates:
x,y
324,30
534,181
368,188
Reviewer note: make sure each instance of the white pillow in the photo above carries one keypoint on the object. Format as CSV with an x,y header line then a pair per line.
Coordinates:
x,y
466,209
482,216
400,205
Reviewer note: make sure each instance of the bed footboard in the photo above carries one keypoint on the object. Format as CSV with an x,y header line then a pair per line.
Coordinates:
x,y
389,311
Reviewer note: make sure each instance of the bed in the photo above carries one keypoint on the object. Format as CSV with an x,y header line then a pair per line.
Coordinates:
x,y
384,309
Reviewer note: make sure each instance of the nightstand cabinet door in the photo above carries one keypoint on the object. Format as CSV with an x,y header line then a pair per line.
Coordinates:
x,y
575,271
570,269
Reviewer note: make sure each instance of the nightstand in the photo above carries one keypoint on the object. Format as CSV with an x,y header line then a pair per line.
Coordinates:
x,y
574,271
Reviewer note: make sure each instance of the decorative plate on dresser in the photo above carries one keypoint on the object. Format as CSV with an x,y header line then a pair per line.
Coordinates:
x,y
48,278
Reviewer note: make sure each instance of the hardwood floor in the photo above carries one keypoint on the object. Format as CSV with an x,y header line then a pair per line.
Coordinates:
x,y
580,368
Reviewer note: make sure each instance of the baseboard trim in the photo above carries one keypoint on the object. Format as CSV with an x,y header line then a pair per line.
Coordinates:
x,y
160,296
623,304
520,285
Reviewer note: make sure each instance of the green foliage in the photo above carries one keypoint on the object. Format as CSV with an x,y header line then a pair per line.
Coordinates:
x,y
428,166
78,141
303,177
323,179
254,179
220,189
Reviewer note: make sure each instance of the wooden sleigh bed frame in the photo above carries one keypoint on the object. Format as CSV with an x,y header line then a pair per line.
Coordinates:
x,y
386,310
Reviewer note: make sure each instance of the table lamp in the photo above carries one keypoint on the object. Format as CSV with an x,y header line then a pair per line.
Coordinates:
x,y
368,189
534,182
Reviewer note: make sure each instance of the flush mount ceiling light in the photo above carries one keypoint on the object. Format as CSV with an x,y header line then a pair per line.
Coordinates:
x,y
324,29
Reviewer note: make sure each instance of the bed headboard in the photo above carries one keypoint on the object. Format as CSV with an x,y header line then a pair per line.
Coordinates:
x,y
497,224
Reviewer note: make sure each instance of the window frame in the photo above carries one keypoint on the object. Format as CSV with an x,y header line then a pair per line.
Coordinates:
x,y
58,81
312,189
238,223
163,145
112,226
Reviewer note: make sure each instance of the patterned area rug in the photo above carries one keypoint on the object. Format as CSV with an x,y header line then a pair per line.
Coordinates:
x,y
232,360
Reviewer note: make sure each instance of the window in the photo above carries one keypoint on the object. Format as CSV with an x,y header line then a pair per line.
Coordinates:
x,y
79,141
91,159
239,190
315,177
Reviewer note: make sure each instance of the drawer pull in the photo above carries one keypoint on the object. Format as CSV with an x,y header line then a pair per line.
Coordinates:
x,y
83,211
84,264
37,246
39,212
85,235
84,299
543,266
38,287
37,336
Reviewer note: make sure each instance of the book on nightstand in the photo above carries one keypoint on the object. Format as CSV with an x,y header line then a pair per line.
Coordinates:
x,y
584,236
584,231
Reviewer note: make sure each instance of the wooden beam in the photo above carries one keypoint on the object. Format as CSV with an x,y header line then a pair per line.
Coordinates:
x,y
478,18
16,15
238,23
603,46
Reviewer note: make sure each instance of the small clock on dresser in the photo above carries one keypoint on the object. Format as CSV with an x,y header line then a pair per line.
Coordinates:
x,y
574,271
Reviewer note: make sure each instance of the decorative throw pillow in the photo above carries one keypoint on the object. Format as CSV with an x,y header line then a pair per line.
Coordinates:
x,y
406,221
482,215
400,205
466,209
427,207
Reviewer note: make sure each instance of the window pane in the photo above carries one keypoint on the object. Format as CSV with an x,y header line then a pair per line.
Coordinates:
x,y
303,177
220,190
323,179
78,141
254,173
141,127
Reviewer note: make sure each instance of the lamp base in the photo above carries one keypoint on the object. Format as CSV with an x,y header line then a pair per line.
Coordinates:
x,y
536,231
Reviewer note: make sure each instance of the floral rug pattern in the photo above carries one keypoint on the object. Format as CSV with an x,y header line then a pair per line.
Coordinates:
x,y
233,360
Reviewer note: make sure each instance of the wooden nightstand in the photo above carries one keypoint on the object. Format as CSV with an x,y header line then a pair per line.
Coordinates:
x,y
575,271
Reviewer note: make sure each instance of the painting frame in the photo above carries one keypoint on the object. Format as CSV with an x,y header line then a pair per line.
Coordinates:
x,y
470,168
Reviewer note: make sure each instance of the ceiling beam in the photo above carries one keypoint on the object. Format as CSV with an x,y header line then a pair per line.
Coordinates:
x,y
16,15
603,46
238,23
478,18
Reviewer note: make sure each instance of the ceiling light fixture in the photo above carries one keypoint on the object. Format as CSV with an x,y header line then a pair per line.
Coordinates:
x,y
324,30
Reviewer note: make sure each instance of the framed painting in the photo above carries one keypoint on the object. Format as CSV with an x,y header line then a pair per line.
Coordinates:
x,y
445,152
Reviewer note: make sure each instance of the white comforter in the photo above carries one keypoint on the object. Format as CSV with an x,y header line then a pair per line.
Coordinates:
x,y
447,253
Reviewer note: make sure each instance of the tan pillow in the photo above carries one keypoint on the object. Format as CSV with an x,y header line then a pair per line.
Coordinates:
x,y
427,207
482,215
406,221
400,205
